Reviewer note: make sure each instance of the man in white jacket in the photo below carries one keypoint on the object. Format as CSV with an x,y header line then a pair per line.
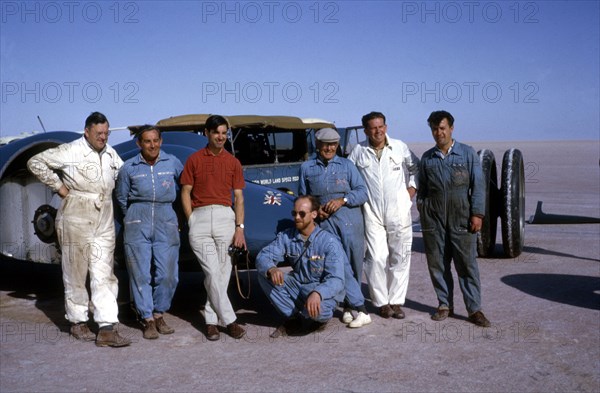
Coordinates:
x,y
83,173
389,169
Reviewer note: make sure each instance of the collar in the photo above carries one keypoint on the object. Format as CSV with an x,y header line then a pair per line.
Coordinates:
x,y
334,160
387,144
207,152
139,159
311,237
88,149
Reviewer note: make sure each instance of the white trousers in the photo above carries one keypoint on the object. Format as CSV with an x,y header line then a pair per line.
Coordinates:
x,y
211,232
387,261
86,233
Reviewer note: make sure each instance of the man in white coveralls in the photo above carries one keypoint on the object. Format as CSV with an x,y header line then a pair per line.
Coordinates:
x,y
83,173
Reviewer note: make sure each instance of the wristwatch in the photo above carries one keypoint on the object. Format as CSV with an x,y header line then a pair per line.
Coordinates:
x,y
345,200
239,226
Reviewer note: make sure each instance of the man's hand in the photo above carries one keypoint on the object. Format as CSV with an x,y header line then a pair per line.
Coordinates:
x,y
239,240
63,191
333,205
411,192
275,275
476,223
322,214
313,304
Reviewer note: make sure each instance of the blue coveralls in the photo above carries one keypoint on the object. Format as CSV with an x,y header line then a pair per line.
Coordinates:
x,y
451,190
319,268
145,194
339,179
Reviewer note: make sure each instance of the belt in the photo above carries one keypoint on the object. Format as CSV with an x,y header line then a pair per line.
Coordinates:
x,y
98,198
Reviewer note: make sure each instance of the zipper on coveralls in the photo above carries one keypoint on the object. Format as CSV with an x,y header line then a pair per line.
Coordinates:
x,y
153,196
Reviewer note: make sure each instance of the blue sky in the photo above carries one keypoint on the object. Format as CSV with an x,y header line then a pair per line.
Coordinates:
x,y
506,70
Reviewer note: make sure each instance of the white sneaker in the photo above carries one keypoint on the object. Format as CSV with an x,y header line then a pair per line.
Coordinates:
x,y
361,320
347,317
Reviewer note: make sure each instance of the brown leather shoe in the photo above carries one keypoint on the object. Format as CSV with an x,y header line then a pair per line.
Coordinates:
x,y
235,330
150,332
162,327
82,332
111,338
397,311
442,313
479,319
386,311
212,332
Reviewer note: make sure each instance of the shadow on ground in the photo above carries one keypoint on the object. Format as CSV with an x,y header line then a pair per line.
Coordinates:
x,y
579,291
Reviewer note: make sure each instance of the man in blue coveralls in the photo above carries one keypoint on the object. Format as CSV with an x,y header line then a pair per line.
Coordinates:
x,y
146,189
316,283
451,205
341,191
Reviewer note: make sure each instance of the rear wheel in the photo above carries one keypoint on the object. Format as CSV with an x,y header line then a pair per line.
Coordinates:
x,y
486,237
512,214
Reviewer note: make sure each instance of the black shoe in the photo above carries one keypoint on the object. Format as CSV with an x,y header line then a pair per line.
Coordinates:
x,y
289,327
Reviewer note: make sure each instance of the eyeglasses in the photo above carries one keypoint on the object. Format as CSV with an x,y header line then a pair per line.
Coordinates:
x,y
301,213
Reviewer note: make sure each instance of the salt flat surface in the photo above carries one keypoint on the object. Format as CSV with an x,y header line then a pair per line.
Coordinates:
x,y
544,306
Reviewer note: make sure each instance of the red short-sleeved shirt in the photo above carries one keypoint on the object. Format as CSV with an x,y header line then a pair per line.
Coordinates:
x,y
212,177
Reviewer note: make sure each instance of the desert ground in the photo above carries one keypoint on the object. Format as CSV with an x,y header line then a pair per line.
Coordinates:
x,y
544,307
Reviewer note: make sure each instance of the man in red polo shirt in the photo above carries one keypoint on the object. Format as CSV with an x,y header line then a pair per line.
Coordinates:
x,y
208,177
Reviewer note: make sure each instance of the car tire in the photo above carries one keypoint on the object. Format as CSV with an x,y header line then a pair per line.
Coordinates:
x,y
512,192
486,237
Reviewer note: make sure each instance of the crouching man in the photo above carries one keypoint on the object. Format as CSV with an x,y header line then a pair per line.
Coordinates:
x,y
316,283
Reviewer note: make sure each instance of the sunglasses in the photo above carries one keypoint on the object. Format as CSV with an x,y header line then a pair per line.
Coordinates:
x,y
301,213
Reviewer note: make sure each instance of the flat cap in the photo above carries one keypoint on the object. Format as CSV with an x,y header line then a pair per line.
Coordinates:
x,y
327,135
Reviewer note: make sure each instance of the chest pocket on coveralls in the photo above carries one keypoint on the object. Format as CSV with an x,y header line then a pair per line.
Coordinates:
x,y
316,265
460,174
338,182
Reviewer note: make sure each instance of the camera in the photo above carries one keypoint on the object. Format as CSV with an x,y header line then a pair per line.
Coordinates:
x,y
237,252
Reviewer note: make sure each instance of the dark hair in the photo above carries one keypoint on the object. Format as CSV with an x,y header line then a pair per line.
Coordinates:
x,y
370,116
436,118
314,202
95,118
146,128
214,121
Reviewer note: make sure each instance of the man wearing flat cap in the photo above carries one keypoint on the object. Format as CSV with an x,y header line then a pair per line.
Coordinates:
x,y
341,191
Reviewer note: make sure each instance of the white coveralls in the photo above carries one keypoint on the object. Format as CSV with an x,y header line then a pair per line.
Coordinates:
x,y
84,224
388,223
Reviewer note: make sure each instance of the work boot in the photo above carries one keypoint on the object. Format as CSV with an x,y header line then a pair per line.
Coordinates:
x,y
110,337
150,332
162,327
386,311
235,330
397,311
212,332
82,332
442,313
479,319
